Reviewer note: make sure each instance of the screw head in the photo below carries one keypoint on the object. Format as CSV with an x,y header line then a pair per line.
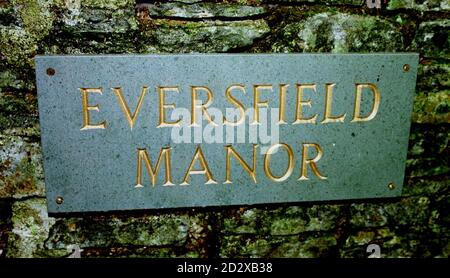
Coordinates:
x,y
391,186
59,200
51,71
405,67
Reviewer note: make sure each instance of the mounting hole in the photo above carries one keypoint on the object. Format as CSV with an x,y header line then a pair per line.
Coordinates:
x,y
391,186
51,71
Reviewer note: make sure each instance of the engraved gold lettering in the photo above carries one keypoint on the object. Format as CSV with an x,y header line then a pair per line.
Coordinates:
x,y
163,105
236,103
267,157
375,105
204,107
328,118
300,103
250,171
131,118
311,161
204,171
153,172
282,111
86,108
256,101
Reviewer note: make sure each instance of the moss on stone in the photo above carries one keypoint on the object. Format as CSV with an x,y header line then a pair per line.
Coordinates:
x,y
410,212
433,39
10,80
303,246
432,107
108,4
17,110
308,247
287,226
208,36
337,33
20,43
20,168
174,231
433,75
36,16
244,247
204,10
30,228
420,5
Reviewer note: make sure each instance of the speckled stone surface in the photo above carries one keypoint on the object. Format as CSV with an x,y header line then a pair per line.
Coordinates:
x,y
95,170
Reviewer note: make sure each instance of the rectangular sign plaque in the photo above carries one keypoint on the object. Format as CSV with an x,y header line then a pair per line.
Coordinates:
x,y
124,132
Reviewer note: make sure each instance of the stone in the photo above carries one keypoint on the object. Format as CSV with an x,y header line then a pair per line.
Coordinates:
x,y
427,142
432,107
17,111
20,42
98,17
323,217
427,167
295,220
10,80
7,15
433,39
139,252
398,242
18,46
291,220
204,36
150,231
201,10
324,2
356,244
339,33
87,27
105,4
433,75
287,226
245,222
302,246
244,247
309,247
425,187
410,212
420,5
31,226
21,173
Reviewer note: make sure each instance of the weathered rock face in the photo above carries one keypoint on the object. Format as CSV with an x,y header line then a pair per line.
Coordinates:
x,y
415,225
339,33
420,5
213,36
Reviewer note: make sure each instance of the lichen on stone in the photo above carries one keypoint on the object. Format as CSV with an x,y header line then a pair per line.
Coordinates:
x,y
21,173
433,39
205,36
432,107
420,5
19,43
204,10
338,33
31,226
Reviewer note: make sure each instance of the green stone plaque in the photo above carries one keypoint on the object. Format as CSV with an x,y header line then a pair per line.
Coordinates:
x,y
125,132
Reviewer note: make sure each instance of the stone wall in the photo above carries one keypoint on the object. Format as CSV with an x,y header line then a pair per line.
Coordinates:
x,y
415,225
